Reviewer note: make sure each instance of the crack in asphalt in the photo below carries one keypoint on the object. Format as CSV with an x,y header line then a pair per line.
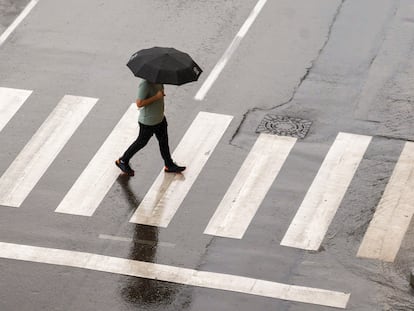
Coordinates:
x,y
308,70
384,37
301,80
201,261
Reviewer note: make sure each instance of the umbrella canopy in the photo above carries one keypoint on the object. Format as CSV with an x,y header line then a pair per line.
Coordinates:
x,y
164,65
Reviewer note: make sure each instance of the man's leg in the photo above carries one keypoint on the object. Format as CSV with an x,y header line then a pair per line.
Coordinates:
x,y
161,132
145,133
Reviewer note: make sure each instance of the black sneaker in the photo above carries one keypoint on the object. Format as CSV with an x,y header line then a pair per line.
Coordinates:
x,y
125,167
174,168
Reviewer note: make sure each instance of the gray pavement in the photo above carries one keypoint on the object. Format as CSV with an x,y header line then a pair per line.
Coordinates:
x,y
333,62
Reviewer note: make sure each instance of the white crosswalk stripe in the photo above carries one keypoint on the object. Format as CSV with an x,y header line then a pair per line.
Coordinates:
x,y
10,102
95,181
250,186
32,162
394,212
324,196
169,190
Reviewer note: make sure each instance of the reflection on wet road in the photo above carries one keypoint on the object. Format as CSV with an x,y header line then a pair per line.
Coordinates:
x,y
144,293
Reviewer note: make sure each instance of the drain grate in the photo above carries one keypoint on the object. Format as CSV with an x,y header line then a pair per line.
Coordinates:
x,y
284,126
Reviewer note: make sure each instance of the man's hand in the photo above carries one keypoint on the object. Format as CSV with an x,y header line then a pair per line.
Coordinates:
x,y
144,102
160,94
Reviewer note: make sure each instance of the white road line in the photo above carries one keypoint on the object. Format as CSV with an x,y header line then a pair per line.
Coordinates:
x,y
124,239
169,190
229,52
10,102
32,162
250,186
114,238
98,177
394,212
173,274
324,196
17,21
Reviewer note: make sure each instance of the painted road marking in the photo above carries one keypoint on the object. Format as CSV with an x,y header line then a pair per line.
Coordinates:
x,y
324,196
10,102
169,190
145,242
250,186
229,52
173,274
32,162
98,177
17,21
394,212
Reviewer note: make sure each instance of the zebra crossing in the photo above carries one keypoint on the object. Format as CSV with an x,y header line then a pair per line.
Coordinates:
x,y
255,176
168,191
95,181
244,196
32,162
324,196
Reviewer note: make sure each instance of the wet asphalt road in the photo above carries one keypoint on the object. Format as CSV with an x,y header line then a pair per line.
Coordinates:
x,y
335,63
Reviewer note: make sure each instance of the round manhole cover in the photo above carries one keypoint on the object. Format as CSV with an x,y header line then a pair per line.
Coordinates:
x,y
284,126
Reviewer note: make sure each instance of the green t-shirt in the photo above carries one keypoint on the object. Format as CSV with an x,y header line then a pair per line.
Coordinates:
x,y
151,114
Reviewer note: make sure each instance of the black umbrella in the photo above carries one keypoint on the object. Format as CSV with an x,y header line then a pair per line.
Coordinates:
x,y
164,65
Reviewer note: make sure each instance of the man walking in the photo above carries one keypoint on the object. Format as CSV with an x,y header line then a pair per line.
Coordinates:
x,y
151,121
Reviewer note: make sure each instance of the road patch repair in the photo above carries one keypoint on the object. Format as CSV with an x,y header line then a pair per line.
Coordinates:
x,y
173,274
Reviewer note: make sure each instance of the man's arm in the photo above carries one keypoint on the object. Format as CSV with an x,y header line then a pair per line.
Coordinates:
x,y
144,102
